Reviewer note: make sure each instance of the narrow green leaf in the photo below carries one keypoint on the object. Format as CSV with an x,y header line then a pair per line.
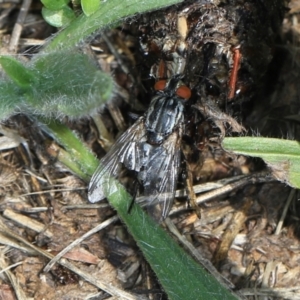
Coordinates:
x,y
55,4
180,276
90,6
282,156
58,18
21,75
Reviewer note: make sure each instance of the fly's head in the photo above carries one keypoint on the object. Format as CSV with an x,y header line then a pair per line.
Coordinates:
x,y
166,111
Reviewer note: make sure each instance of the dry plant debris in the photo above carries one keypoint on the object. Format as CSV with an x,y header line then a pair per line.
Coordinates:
x,y
249,232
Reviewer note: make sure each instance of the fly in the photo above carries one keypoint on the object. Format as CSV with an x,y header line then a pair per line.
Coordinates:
x,y
151,148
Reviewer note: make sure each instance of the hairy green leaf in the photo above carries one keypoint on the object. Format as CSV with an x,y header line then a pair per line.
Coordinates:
x,y
21,75
70,85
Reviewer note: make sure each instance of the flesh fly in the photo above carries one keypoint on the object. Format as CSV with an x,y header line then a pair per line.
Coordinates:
x,y
150,148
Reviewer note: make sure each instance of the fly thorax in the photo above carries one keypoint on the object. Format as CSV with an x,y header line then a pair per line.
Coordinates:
x,y
163,117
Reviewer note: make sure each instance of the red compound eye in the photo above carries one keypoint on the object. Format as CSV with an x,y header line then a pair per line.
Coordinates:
x,y
184,92
160,85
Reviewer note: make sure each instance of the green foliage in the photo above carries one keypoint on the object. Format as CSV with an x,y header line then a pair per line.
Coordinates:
x,y
110,13
76,157
9,98
180,276
22,76
282,156
90,6
76,91
58,18
58,84
55,4
58,13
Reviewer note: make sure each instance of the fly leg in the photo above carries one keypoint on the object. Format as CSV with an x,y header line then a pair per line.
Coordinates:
x,y
134,194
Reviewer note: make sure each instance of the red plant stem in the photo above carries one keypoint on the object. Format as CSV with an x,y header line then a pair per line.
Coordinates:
x,y
233,76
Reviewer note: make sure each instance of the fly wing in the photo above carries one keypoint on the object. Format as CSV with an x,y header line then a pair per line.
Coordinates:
x,y
126,150
159,176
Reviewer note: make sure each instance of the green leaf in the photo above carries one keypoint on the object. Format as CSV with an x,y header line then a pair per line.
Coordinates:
x,y
58,18
58,84
21,75
55,4
90,6
10,99
70,84
282,156
180,276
